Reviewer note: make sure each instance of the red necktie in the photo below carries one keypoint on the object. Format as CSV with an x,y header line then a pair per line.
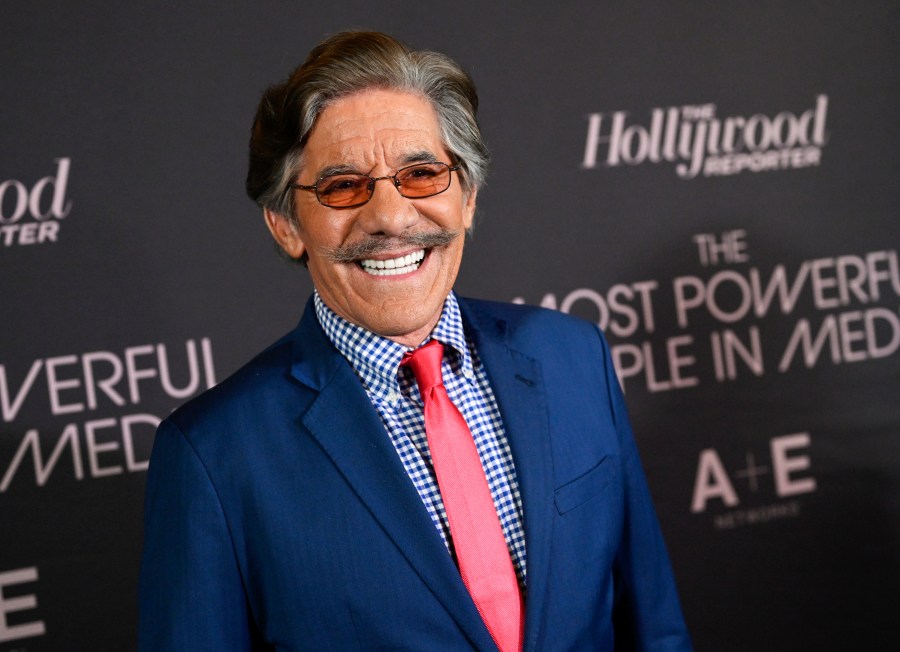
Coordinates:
x,y
481,552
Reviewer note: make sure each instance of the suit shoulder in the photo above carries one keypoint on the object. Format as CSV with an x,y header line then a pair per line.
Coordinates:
x,y
245,388
525,321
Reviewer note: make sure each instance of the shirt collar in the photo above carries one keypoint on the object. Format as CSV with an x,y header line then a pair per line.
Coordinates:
x,y
376,359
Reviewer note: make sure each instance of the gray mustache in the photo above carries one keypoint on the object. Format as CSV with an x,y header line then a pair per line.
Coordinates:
x,y
373,245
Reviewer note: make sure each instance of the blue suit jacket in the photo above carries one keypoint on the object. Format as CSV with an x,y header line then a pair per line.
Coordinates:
x,y
279,516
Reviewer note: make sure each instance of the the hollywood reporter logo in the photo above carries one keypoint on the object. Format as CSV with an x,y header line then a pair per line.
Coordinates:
x,y
697,141
30,215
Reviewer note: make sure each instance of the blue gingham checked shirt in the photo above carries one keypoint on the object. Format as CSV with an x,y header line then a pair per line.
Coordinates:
x,y
395,395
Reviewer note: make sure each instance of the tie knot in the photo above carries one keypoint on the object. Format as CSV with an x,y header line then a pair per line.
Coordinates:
x,y
425,363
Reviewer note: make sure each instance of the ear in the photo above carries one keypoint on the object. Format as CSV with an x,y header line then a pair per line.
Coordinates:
x,y
285,233
469,208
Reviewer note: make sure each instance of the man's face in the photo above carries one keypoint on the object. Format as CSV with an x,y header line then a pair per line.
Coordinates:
x,y
376,132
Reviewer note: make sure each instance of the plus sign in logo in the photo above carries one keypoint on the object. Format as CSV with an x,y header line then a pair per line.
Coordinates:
x,y
783,472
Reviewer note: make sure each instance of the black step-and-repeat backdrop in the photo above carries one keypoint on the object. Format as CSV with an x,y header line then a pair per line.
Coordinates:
x,y
715,184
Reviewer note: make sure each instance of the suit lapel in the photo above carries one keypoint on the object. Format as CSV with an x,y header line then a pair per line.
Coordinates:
x,y
349,430
518,386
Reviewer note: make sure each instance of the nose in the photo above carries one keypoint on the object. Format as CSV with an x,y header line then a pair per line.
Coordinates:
x,y
387,212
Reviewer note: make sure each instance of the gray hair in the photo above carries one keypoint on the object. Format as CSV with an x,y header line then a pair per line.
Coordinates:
x,y
348,63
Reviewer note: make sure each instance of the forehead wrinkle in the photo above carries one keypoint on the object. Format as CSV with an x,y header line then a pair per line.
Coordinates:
x,y
361,140
398,150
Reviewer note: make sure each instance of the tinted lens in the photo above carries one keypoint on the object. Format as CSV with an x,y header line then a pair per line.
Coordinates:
x,y
343,189
423,180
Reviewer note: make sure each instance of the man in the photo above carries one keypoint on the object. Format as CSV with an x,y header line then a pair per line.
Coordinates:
x,y
407,469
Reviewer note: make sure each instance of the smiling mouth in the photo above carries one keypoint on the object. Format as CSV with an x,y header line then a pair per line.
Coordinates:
x,y
393,266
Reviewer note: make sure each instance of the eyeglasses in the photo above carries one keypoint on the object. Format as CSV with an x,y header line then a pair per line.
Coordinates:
x,y
346,190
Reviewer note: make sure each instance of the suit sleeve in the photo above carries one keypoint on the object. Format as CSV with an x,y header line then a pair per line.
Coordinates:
x,y
647,614
191,594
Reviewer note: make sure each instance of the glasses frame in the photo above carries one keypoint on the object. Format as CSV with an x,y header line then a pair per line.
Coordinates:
x,y
370,186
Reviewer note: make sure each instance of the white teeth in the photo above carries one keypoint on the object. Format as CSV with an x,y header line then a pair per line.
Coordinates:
x,y
394,266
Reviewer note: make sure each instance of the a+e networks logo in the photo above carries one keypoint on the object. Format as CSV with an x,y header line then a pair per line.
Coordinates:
x,y
31,215
783,473
13,599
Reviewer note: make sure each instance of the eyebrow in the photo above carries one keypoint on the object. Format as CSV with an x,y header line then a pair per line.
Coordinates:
x,y
342,168
421,156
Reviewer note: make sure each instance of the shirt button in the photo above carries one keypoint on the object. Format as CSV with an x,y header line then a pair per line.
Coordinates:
x,y
468,373
392,397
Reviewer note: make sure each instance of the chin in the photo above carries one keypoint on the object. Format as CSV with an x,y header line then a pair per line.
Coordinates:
x,y
411,329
